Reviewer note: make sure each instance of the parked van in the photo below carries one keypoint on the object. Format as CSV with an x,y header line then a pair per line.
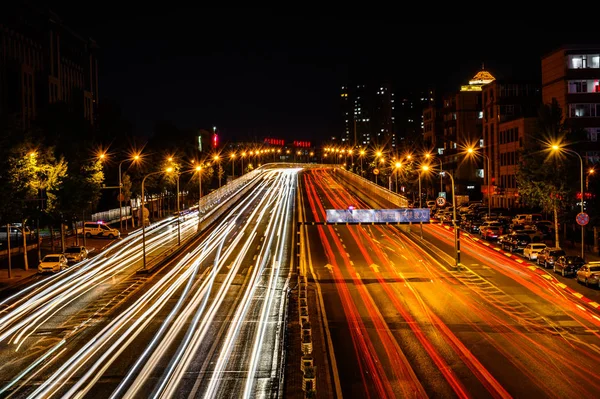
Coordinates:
x,y
99,229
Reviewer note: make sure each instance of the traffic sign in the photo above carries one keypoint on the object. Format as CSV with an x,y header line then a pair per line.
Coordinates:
x,y
440,201
375,171
583,218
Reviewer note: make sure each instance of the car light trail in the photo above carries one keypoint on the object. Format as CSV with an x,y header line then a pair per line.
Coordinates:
x,y
271,203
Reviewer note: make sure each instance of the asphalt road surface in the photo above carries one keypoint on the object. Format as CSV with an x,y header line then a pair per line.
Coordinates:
x,y
206,324
403,322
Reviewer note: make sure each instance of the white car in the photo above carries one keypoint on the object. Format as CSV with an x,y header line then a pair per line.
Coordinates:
x,y
76,253
52,263
532,250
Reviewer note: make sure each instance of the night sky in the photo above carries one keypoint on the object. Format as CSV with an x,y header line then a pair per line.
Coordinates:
x,y
254,72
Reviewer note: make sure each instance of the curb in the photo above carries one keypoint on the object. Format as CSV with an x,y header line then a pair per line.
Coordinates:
x,y
534,268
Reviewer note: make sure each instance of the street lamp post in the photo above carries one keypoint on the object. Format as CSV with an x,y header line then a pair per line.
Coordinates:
x,y
398,165
135,158
487,173
216,158
424,168
199,170
243,155
232,166
178,208
558,148
144,219
456,231
441,168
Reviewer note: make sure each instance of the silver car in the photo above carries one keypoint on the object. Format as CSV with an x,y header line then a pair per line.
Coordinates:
x,y
532,250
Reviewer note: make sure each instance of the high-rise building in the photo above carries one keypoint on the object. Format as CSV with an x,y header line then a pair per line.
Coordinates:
x,y
368,115
42,62
509,115
571,75
461,116
408,116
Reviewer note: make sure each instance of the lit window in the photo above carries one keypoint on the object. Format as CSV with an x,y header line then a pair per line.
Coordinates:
x,y
480,114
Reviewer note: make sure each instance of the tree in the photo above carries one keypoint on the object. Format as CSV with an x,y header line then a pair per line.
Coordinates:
x,y
543,180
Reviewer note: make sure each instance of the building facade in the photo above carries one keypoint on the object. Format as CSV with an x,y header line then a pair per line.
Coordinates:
x,y
571,76
509,113
462,128
368,115
43,62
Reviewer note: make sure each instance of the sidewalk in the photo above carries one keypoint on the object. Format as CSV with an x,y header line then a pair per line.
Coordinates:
x,y
18,273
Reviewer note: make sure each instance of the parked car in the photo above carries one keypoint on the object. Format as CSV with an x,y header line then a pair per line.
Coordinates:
x,y
490,223
535,235
532,250
589,273
76,253
52,263
568,264
517,242
503,240
98,229
548,256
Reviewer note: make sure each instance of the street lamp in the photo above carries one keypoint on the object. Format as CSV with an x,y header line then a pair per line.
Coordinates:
x,y
558,148
398,165
135,158
169,170
487,173
144,218
456,231
232,165
199,170
424,168
362,154
216,158
591,171
428,155
242,156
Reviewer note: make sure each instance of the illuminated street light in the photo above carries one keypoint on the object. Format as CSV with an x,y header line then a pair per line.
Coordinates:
x,y
199,170
487,173
424,168
557,148
169,170
428,155
397,165
144,218
243,156
362,154
216,158
456,231
232,165
135,158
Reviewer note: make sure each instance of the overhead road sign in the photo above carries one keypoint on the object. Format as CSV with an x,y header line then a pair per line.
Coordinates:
x,y
383,216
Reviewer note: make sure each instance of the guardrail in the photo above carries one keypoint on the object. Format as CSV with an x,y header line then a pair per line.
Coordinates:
x,y
368,187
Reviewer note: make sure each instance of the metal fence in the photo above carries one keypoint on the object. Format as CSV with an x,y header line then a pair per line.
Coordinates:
x,y
111,215
368,187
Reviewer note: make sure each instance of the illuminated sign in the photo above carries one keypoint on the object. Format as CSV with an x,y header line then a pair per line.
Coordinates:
x,y
274,141
214,140
403,215
302,144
